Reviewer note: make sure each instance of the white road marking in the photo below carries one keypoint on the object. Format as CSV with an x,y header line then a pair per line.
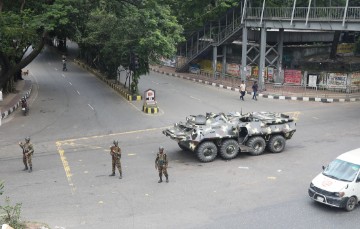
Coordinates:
x,y
70,83
154,82
90,106
195,98
243,167
315,118
56,69
78,92
63,75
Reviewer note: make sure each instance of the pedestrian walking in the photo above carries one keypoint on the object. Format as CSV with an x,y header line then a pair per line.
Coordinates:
x,y
242,90
115,153
161,164
28,151
255,89
64,65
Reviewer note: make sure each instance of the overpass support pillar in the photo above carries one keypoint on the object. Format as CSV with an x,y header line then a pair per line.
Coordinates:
x,y
244,53
280,76
214,62
262,59
223,69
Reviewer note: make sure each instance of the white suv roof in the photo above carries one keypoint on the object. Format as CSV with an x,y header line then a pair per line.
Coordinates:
x,y
352,156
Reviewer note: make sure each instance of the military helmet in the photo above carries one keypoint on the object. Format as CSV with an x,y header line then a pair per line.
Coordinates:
x,y
27,139
161,148
115,142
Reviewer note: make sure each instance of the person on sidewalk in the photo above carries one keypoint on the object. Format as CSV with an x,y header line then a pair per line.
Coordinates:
x,y
242,90
255,89
161,164
28,151
115,153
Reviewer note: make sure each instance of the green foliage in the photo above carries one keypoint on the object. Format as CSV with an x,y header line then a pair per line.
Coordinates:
x,y
24,24
112,30
194,14
10,214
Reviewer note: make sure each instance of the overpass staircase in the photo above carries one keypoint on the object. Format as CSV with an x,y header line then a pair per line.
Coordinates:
x,y
229,27
225,30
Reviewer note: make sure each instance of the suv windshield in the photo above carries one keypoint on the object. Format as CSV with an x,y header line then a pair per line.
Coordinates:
x,y
341,170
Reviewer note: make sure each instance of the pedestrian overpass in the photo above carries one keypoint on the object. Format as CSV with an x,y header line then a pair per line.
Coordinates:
x,y
239,20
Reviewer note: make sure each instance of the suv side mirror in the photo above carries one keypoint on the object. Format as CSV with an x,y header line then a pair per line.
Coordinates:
x,y
358,179
323,167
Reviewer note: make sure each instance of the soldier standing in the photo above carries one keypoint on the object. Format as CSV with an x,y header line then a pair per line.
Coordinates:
x,y
115,153
161,164
28,151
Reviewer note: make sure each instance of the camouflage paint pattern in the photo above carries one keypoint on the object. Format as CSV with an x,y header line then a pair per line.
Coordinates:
x,y
219,126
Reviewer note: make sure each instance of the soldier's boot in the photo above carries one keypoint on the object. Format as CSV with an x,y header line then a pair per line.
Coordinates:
x,y
111,175
160,179
120,177
26,168
167,179
30,170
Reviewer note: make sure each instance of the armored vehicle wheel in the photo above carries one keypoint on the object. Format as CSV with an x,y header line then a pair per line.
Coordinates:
x,y
206,152
183,147
229,149
258,144
350,204
276,144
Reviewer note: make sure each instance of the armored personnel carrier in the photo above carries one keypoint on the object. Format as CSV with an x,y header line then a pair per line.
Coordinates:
x,y
228,134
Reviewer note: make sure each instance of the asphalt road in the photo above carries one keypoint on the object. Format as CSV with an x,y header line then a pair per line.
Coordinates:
x,y
74,118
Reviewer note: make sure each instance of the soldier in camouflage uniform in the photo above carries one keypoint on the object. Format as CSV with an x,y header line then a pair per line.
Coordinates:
x,y
28,151
161,164
115,153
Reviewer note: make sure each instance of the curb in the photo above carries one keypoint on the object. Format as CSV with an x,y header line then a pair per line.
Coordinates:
x,y
116,87
150,110
279,97
27,88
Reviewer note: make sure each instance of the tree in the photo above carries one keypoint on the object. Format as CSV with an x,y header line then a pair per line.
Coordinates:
x,y
115,29
25,26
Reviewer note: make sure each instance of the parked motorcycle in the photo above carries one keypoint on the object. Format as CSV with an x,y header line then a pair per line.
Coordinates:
x,y
24,106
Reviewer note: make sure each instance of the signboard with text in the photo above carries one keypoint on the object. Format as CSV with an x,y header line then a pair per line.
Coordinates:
x,y
336,80
149,96
312,80
292,76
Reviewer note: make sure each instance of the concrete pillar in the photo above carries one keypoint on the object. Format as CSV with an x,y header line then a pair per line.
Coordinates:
x,y
262,59
214,62
244,54
279,77
223,70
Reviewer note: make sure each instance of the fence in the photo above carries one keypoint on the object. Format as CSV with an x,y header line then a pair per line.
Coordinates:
x,y
322,91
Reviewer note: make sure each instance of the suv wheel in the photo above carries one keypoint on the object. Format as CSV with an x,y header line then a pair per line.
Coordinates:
x,y
350,204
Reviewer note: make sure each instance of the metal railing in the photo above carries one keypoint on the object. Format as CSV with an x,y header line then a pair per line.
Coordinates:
x,y
270,13
300,13
323,91
206,41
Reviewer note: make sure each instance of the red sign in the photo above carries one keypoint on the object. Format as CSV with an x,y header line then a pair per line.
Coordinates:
x,y
292,76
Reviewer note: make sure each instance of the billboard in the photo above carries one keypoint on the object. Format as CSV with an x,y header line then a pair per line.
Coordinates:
x,y
292,76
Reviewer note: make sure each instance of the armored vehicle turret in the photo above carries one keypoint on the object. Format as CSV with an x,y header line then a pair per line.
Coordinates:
x,y
228,134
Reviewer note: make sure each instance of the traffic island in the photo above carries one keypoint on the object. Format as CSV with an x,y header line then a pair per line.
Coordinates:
x,y
117,87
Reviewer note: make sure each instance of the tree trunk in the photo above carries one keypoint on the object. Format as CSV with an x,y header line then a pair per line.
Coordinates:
x,y
12,70
335,45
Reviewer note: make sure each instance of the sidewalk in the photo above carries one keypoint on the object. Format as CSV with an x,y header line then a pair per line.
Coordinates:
x,y
272,91
11,101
